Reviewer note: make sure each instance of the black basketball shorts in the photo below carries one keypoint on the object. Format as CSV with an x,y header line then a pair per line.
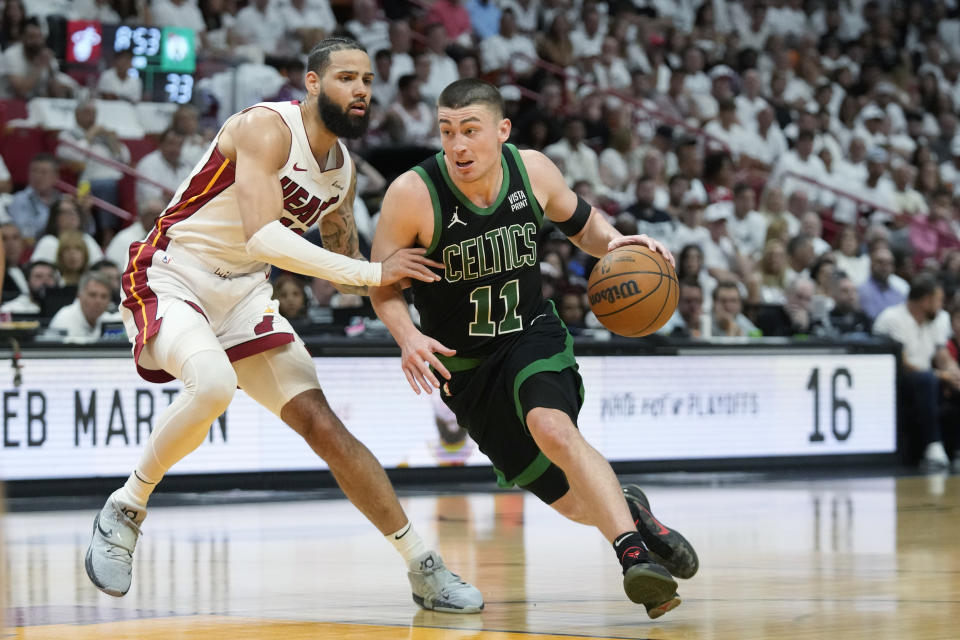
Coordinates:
x,y
492,398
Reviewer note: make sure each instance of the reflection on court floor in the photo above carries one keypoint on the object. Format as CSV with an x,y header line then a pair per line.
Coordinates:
x,y
856,558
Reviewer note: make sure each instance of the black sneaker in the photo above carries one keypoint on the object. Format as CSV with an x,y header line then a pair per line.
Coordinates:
x,y
666,546
651,585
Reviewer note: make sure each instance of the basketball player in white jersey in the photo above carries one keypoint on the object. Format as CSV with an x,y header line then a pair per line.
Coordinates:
x,y
198,307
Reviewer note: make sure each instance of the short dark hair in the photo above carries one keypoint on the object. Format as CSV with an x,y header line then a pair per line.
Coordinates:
x,y
319,57
726,284
45,156
923,285
405,81
38,263
469,91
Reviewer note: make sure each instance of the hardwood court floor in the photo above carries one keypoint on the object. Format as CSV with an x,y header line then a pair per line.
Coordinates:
x,y
869,558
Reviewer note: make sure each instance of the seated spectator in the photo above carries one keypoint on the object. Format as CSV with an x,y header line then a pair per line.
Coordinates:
x,y
290,293
720,255
847,318
260,25
40,277
117,82
118,250
94,10
165,165
178,13
571,154
747,227
800,256
927,366
689,228
773,273
88,136
443,69
655,222
728,318
878,292
509,50
802,162
186,122
773,208
812,226
686,321
453,16
305,23
13,22
849,259
795,316
30,208
84,317
65,216
114,273
409,121
823,272
691,268
72,257
14,282
31,68
555,45
369,27
573,309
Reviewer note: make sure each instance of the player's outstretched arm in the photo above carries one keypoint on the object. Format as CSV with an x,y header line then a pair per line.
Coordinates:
x,y
585,225
259,140
404,222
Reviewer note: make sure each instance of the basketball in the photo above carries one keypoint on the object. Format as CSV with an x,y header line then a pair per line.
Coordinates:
x,y
633,291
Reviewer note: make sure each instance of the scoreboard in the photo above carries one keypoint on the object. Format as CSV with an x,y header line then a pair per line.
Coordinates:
x,y
165,57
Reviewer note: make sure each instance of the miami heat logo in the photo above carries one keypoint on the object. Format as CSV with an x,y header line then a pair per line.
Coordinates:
x,y
302,207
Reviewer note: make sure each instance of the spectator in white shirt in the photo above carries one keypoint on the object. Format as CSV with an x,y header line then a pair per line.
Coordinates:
x,y
40,277
443,70
401,61
811,225
804,163
409,121
119,248
384,88
926,363
120,81
368,26
306,23
84,317
164,165
509,50
750,101
587,39
64,216
260,24
186,122
526,12
94,10
728,131
747,227
31,68
575,159
178,13
88,136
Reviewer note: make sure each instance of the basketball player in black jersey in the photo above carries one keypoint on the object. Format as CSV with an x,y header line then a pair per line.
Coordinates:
x,y
505,357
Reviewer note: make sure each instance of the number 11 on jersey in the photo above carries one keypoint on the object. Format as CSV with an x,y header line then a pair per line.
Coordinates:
x,y
482,325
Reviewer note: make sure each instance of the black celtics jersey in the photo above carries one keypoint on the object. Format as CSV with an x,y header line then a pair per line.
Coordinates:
x,y
490,289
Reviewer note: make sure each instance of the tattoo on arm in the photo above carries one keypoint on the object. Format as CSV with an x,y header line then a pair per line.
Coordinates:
x,y
339,234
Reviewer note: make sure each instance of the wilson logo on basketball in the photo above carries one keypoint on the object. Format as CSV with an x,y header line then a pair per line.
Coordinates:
x,y
622,291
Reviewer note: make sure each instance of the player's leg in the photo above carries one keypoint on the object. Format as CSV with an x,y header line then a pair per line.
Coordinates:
x,y
284,380
187,348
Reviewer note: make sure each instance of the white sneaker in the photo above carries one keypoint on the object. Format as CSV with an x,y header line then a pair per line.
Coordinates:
x,y
109,560
436,588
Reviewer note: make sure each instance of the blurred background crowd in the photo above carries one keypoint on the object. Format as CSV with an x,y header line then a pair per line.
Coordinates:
x,y
801,158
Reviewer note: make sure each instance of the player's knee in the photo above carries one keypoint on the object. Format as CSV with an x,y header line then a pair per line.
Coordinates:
x,y
211,378
551,429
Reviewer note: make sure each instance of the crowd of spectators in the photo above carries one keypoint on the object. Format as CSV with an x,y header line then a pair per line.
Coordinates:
x,y
801,158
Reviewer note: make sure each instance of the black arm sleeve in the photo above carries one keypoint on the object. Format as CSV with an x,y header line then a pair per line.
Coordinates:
x,y
575,223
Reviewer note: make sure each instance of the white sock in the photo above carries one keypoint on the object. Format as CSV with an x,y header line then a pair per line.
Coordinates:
x,y
408,543
139,488
936,453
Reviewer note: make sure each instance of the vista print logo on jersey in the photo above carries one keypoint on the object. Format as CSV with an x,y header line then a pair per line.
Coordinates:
x,y
518,200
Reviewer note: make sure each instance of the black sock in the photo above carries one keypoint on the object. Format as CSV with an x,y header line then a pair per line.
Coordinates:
x,y
630,549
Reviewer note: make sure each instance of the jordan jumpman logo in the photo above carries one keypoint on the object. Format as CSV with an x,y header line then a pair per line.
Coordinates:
x,y
455,219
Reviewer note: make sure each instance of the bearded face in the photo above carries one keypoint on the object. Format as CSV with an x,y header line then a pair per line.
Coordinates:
x,y
344,122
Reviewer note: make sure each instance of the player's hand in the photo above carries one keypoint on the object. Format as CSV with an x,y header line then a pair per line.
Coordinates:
x,y
408,263
646,241
418,354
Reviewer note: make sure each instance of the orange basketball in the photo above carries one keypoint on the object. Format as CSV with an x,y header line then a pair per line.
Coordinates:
x,y
633,291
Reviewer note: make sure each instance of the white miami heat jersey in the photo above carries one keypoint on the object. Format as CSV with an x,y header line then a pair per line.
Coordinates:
x,y
203,218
